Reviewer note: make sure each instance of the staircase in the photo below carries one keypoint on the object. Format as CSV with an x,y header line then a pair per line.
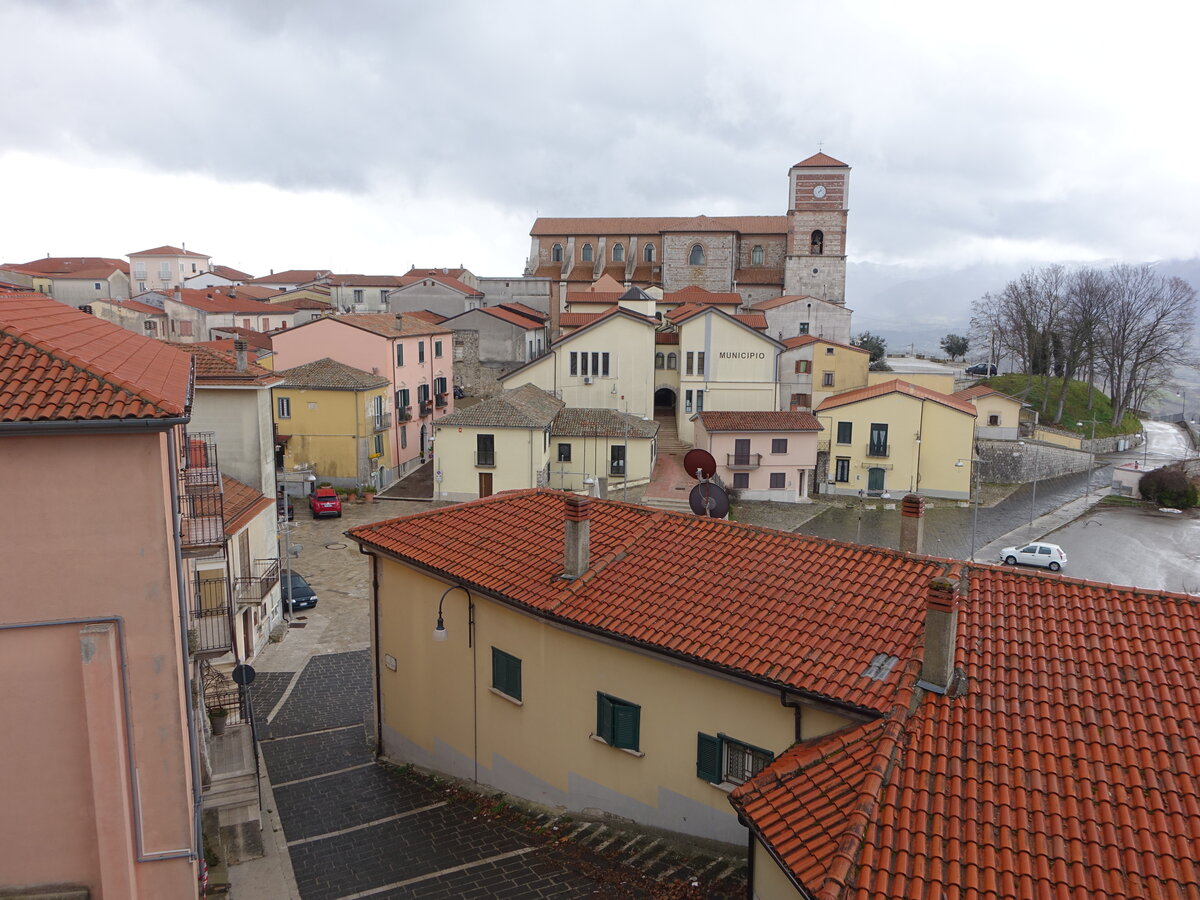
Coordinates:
x,y
663,492
668,436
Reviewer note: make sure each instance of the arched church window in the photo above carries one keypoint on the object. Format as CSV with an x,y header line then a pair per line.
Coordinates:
x,y
648,253
618,253
696,257
817,243
586,253
756,255
556,253
659,360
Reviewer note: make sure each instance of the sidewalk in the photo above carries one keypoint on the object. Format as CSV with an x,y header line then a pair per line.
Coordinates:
x,y
1042,526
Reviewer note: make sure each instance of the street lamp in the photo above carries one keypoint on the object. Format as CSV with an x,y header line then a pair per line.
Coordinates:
x,y
974,460
439,631
1091,457
1036,469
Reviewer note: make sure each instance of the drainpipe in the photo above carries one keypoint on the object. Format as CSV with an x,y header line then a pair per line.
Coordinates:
x,y
185,657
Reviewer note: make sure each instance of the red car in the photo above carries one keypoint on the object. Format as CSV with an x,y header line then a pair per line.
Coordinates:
x,y
325,502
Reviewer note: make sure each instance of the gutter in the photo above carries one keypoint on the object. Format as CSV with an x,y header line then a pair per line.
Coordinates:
x,y
97,426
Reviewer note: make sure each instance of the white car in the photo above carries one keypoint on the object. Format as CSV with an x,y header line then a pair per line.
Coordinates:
x,y
1051,556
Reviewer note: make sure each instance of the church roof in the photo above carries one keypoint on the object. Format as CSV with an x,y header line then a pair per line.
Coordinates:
x,y
546,227
820,160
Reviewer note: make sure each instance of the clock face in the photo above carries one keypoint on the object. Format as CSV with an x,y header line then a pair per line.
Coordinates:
x,y
819,191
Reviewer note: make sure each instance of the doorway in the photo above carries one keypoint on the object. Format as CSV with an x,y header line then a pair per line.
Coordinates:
x,y
741,452
664,400
247,634
875,479
485,484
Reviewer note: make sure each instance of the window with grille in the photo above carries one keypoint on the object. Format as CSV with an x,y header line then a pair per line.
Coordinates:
x,y
285,407
618,722
506,673
721,759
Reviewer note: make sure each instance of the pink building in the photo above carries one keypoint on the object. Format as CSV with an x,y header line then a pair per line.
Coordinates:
x,y
768,455
100,780
415,355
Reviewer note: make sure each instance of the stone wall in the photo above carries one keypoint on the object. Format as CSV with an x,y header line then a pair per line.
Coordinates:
x,y
714,275
1016,462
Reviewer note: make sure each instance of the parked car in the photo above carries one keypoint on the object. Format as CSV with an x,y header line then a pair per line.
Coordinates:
x,y
285,506
303,596
325,502
981,369
1051,556
459,393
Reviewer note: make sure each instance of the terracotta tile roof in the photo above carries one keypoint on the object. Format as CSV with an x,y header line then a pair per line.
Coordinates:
x,y
215,366
805,339
255,339
593,297
135,305
769,619
249,291
695,294
167,250
327,374
652,225
231,273
776,302
758,275
449,281
437,271
60,364
241,503
553,271
896,386
214,300
981,390
524,407
71,266
666,337
820,159
385,324
356,280
510,316
1068,767
290,276
763,420
757,321
524,310
575,422
582,272
428,315
576,320
681,314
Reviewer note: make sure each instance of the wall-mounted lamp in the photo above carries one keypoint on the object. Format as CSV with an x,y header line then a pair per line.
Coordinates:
x,y
439,630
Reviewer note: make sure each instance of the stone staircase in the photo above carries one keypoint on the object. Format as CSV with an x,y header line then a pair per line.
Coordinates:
x,y
670,444
668,436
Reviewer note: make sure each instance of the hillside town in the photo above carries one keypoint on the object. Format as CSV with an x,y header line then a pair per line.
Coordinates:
x,y
641,570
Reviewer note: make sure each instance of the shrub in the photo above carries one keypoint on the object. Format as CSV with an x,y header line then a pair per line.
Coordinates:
x,y
1169,486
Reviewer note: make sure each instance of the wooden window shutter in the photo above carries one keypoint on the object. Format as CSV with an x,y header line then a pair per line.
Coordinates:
x,y
799,366
625,725
604,718
708,758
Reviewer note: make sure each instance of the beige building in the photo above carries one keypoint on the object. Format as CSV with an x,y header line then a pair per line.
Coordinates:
x,y
792,316
134,315
73,280
526,438
164,268
896,437
812,369
999,414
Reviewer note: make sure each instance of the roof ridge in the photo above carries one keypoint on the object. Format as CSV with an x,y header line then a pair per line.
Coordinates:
x,y
104,377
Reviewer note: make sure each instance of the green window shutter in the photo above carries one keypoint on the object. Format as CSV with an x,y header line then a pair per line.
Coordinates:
x,y
708,758
626,723
506,673
604,718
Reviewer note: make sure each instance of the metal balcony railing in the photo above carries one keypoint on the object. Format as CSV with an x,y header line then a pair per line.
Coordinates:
x,y
485,459
256,587
404,414
879,450
210,630
743,460
823,445
202,506
221,693
440,401
380,422
425,408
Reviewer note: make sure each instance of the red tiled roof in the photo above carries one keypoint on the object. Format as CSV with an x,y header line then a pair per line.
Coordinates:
x,y
756,321
775,302
437,271
134,305
290,276
695,294
593,297
770,620
384,324
666,337
804,340
428,315
214,300
896,386
651,225
524,310
417,276
1069,766
71,267
167,250
820,159
981,390
575,320
251,291
553,271
761,420
231,273
682,313
510,316
241,503
758,275
353,280
216,366
60,364
254,338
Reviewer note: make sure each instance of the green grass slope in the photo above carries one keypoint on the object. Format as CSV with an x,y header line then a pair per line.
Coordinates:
x,y
1075,410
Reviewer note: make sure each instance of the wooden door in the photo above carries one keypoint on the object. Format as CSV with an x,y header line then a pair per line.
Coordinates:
x,y
485,484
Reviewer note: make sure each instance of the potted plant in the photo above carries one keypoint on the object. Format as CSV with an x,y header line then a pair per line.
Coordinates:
x,y
217,717
369,492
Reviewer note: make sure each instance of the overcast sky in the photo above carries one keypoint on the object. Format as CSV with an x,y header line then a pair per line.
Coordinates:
x,y
369,136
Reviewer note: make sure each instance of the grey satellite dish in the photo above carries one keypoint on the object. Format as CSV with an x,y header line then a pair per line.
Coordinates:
x,y
709,500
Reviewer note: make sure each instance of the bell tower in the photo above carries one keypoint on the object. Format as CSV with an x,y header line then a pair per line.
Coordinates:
x,y
818,205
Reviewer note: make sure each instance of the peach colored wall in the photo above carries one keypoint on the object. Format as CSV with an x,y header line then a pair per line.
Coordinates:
x,y
801,454
93,539
364,350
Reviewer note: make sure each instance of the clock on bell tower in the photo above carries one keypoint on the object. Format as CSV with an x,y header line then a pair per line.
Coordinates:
x,y
818,193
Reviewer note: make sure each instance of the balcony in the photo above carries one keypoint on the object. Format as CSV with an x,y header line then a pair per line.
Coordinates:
x,y
380,422
211,629
485,459
256,587
879,451
404,414
743,460
424,408
440,401
202,507
823,445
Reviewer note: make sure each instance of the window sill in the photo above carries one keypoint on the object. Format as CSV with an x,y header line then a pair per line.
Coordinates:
x,y
724,787
513,700
599,740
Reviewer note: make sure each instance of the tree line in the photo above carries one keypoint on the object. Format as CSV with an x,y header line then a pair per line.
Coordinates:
x,y
1124,328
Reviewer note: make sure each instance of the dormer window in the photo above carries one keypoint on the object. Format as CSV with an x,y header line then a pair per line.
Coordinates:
x,y
696,257
817,243
756,255
618,253
648,253
585,254
556,253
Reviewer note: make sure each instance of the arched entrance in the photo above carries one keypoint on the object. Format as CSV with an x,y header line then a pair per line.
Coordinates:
x,y
664,400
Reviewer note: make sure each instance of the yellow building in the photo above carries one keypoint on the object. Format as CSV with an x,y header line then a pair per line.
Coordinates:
x,y
813,368
526,438
897,437
999,414
333,417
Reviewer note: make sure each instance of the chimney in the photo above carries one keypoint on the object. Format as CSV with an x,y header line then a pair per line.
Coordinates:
x,y
240,348
399,322
178,296
941,630
577,535
912,523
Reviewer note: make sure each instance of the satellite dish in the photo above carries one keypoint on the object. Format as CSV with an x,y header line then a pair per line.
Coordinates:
x,y
709,500
702,460
244,674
